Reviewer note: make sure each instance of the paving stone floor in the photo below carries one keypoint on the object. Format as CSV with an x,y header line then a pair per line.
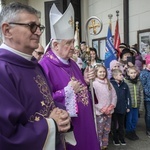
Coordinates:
x,y
142,144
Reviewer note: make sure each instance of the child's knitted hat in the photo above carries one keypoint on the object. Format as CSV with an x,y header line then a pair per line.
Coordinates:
x,y
113,63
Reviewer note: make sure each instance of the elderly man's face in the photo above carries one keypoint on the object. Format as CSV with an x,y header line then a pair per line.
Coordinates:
x,y
22,38
66,49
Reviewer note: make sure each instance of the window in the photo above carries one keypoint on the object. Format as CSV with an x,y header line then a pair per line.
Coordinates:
x,y
99,45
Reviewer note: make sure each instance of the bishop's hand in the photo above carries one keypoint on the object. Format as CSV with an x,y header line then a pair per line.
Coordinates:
x,y
89,74
76,85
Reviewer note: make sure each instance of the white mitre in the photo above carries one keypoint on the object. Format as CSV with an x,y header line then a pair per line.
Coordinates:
x,y
62,25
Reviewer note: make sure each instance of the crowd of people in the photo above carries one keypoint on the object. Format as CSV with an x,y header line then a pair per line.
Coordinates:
x,y
119,111
46,102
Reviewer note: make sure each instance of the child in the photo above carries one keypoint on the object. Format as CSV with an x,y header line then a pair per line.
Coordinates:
x,y
114,64
145,79
136,91
106,96
123,106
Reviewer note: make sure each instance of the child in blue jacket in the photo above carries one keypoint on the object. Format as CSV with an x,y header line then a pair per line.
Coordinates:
x,y
123,105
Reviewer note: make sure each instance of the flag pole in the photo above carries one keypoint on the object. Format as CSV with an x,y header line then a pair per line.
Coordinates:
x,y
110,17
96,26
76,37
116,35
117,13
110,50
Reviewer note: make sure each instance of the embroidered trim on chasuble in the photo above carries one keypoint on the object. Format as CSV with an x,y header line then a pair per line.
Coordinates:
x,y
47,103
70,101
50,56
83,95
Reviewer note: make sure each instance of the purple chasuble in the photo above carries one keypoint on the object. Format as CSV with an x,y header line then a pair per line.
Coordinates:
x,y
25,102
59,75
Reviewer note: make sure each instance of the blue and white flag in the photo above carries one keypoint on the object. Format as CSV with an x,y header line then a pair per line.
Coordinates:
x,y
110,50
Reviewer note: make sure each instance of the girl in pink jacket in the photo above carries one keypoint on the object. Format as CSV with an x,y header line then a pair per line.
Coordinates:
x,y
106,97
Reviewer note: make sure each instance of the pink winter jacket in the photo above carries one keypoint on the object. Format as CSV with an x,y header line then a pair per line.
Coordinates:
x,y
107,99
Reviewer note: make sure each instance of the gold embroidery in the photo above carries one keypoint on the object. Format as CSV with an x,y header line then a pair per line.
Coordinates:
x,y
37,118
42,103
50,56
47,103
71,21
82,96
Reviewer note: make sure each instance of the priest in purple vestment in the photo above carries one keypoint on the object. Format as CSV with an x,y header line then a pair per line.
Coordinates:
x,y
68,84
29,118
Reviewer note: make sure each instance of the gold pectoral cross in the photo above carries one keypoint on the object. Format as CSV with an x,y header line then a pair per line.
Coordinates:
x,y
94,26
71,22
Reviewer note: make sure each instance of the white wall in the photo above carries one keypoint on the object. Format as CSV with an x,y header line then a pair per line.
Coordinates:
x,y
139,12
39,5
21,1
101,9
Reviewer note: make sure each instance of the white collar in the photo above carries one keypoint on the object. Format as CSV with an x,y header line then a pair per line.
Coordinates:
x,y
63,60
26,56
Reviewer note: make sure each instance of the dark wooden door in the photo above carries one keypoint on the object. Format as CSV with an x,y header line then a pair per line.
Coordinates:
x,y
62,6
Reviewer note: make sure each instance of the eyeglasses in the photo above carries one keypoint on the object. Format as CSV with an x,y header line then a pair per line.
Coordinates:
x,y
33,26
39,53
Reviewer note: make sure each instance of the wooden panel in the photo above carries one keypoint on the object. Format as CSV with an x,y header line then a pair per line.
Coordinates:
x,y
126,21
48,5
62,6
77,9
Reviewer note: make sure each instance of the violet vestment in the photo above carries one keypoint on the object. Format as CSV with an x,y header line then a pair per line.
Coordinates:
x,y
59,75
25,102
